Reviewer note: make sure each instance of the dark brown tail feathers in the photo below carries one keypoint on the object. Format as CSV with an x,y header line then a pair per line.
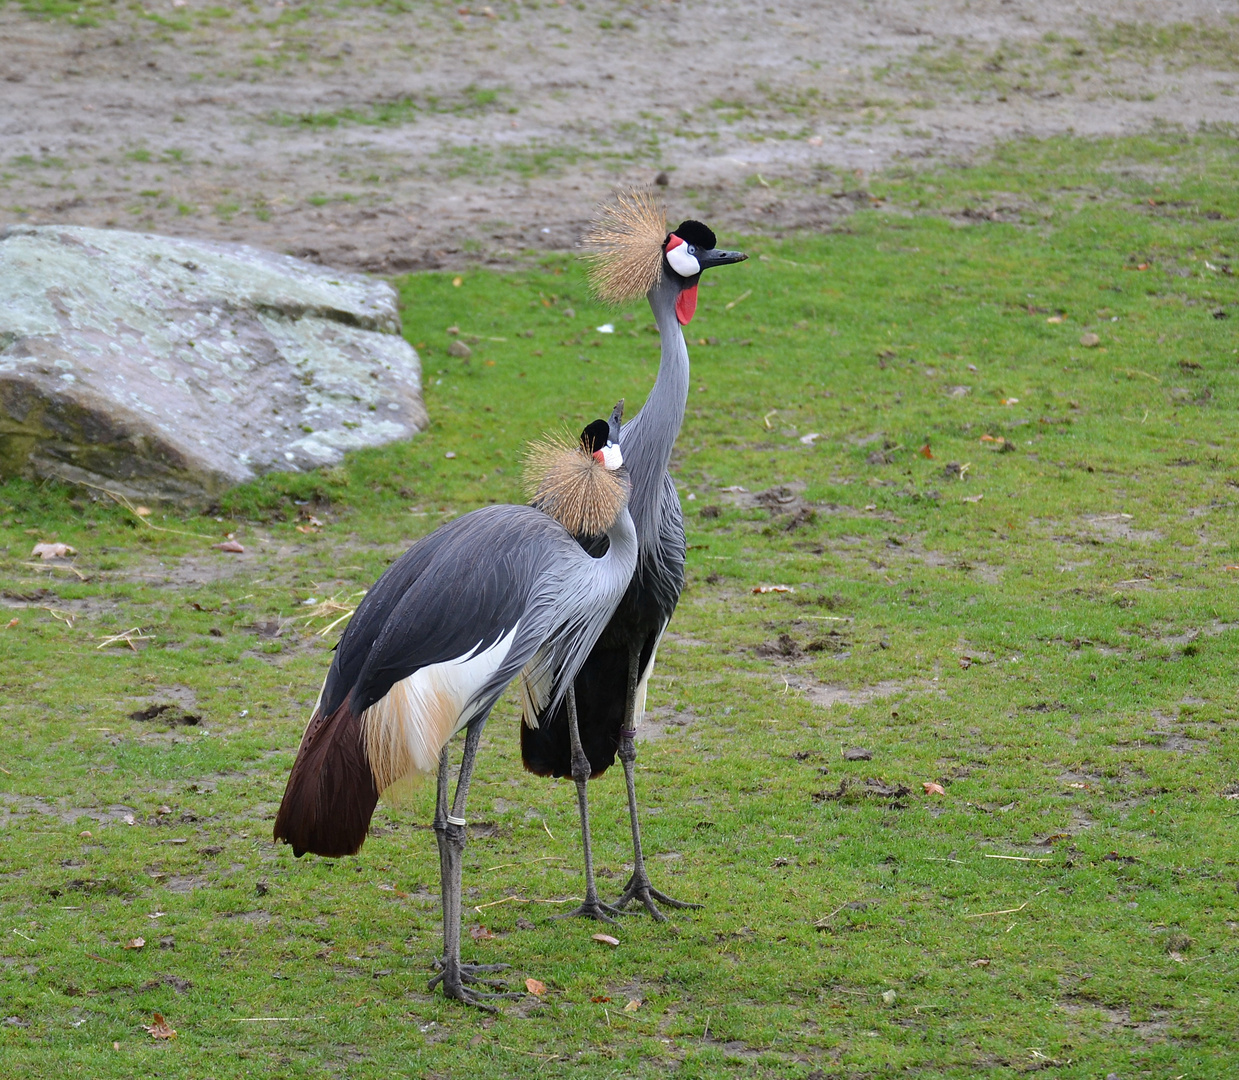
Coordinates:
x,y
330,795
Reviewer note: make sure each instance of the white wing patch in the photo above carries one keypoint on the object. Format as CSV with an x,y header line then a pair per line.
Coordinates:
x,y
638,712
537,682
405,730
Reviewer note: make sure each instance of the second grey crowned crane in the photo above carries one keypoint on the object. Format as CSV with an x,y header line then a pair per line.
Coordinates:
x,y
634,255
435,642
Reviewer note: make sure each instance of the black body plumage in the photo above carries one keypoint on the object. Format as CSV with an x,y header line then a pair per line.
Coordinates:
x,y
602,684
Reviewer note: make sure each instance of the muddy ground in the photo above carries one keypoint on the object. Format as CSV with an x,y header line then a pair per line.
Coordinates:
x,y
411,134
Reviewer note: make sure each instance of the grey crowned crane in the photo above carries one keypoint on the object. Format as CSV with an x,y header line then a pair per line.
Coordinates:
x,y
633,255
435,642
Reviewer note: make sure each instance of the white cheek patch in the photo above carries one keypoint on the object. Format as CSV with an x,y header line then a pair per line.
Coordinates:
x,y
680,260
612,459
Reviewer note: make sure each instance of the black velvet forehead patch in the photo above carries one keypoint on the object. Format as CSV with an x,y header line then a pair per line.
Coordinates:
x,y
596,436
697,234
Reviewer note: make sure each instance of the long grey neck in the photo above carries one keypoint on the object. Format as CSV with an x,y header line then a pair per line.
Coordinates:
x,y
596,596
621,554
647,439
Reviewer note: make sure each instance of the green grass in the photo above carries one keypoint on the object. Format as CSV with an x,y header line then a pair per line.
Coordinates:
x,y
1056,63
1062,669
471,101
75,12
88,13
1177,45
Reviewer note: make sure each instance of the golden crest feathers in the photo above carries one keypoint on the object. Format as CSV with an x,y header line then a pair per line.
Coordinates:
x,y
568,483
625,246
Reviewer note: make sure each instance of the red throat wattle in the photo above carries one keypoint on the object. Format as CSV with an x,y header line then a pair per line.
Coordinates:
x,y
686,305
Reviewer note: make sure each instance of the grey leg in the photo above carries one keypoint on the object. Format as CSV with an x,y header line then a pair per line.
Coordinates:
x,y
638,887
450,832
592,908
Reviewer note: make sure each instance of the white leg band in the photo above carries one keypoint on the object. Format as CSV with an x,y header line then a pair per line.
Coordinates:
x,y
455,820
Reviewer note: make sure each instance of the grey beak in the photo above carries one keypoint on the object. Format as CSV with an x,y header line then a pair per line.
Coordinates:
x,y
717,257
617,414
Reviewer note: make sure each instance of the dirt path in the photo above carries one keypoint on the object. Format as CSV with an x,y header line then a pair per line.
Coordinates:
x,y
412,134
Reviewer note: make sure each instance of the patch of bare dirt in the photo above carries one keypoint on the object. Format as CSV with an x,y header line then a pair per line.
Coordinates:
x,y
662,721
397,138
65,611
183,883
849,791
1119,527
1118,1017
828,696
165,715
22,806
190,570
1173,742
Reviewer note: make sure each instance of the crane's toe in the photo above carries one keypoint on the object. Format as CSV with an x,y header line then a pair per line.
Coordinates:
x,y
639,888
457,979
592,909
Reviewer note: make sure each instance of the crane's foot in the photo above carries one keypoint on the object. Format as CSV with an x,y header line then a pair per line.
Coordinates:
x,y
468,973
639,888
592,909
457,979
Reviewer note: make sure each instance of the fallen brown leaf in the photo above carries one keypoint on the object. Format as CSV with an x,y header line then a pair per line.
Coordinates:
x,y
925,452
933,789
13,622
1000,443
979,963
54,550
772,588
534,987
230,545
480,933
632,1006
135,943
159,1028
607,939
599,999
1090,341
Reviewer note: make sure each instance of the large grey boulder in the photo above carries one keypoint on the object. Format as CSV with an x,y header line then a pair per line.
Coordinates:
x,y
173,369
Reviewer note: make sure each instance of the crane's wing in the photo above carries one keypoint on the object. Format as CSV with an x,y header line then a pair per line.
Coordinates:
x,y
432,644
453,594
